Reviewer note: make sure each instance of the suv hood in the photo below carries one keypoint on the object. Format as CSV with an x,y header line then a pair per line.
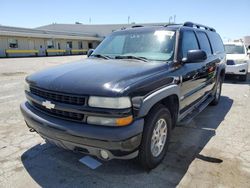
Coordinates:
x,y
95,76
242,57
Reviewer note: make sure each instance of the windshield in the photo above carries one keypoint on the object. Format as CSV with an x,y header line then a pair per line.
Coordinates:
x,y
234,49
152,45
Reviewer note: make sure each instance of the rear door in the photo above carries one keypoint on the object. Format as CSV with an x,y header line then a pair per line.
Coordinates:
x,y
207,78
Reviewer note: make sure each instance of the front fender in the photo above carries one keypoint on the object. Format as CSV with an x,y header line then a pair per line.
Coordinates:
x,y
149,101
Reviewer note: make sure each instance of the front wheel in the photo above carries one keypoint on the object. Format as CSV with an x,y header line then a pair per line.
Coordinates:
x,y
156,135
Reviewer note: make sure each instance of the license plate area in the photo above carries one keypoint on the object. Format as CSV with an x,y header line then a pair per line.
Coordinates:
x,y
230,62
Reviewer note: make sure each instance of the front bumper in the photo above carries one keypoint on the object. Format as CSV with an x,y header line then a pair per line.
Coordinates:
x,y
238,69
118,142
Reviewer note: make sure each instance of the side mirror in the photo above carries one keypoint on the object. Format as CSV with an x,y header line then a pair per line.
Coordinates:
x,y
90,51
194,56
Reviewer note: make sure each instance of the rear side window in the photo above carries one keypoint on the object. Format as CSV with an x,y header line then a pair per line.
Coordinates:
x,y
204,42
216,42
189,42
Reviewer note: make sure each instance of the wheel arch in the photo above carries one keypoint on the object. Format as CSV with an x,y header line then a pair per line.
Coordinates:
x,y
168,96
221,72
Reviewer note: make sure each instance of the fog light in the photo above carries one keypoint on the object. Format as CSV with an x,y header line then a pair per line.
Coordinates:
x,y
243,70
104,154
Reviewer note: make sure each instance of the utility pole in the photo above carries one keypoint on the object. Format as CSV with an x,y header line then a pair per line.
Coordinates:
x,y
128,19
169,20
174,18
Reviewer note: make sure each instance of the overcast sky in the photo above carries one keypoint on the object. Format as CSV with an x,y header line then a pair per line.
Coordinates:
x,y
230,18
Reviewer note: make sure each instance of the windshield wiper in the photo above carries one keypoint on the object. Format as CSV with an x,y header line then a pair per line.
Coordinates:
x,y
100,56
131,57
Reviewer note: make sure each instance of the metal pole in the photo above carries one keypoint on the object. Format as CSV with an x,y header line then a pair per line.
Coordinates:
x,y
170,18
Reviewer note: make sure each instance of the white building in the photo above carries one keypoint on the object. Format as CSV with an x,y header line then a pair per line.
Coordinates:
x,y
16,41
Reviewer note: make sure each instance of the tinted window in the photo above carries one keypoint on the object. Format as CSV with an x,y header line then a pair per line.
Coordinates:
x,y
204,43
189,42
216,42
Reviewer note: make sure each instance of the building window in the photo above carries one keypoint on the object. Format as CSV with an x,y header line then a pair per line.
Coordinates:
x,y
13,43
69,44
50,44
90,45
80,45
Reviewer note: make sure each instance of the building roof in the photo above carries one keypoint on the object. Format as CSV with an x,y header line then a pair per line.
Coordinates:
x,y
101,29
46,33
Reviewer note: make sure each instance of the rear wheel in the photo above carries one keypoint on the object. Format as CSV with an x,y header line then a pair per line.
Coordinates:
x,y
156,137
243,78
217,92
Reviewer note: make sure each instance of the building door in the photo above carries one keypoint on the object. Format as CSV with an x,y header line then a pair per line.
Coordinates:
x,y
69,46
40,46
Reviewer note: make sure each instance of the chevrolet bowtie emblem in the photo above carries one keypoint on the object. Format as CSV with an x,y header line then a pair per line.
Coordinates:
x,y
48,104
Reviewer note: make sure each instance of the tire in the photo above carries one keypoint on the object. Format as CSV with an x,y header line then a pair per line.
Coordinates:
x,y
243,78
148,157
217,93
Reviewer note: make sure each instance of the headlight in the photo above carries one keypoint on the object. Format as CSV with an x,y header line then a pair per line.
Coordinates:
x,y
108,102
26,87
109,121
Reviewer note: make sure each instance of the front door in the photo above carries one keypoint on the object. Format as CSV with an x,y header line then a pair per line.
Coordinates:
x,y
192,73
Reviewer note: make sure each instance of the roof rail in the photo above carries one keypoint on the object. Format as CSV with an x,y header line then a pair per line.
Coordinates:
x,y
171,24
191,24
134,26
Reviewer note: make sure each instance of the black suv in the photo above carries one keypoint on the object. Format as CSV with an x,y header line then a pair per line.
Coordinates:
x,y
124,100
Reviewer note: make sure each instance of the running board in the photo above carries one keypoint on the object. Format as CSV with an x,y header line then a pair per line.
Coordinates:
x,y
186,120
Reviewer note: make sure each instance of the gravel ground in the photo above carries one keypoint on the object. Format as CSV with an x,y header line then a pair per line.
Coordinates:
x,y
212,151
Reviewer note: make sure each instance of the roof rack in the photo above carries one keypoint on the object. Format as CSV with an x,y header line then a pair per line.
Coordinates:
x,y
191,24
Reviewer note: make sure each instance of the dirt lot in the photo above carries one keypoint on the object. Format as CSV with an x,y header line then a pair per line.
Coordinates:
x,y
213,151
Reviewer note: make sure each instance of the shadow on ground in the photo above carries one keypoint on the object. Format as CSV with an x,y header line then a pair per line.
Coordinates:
x,y
50,166
233,79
